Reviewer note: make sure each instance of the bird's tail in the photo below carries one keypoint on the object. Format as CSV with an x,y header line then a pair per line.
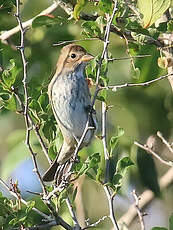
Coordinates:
x,y
49,175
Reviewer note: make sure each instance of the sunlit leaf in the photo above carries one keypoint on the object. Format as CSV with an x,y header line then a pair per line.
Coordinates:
x,y
30,206
78,8
152,10
43,101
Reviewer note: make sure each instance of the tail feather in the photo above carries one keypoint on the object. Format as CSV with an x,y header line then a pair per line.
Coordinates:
x,y
51,171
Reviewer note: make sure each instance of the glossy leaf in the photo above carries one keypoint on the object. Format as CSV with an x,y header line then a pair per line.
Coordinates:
x,y
152,10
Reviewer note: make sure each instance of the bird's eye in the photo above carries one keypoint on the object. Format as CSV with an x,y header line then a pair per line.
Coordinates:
x,y
73,55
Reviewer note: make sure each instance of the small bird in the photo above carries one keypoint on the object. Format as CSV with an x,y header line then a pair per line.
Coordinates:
x,y
70,99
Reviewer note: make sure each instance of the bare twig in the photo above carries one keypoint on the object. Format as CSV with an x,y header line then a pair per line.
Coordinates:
x,y
140,215
76,40
149,150
115,87
126,58
146,197
165,141
94,224
104,56
24,202
61,185
72,213
25,87
34,127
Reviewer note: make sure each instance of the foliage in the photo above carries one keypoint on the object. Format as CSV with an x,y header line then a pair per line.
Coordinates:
x,y
143,111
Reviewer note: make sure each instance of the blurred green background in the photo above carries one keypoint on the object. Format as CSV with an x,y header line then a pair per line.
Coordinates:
x,y
140,111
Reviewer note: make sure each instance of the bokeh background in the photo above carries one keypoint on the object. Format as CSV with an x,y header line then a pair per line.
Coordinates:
x,y
140,111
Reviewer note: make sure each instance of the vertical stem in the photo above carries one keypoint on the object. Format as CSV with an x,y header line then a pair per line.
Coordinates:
x,y
28,122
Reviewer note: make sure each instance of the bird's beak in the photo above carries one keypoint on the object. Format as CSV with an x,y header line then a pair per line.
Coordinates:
x,y
86,58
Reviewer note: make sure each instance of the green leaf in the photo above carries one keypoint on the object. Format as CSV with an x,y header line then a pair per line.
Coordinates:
x,y
104,67
34,105
152,10
74,194
117,179
78,8
47,20
170,26
121,168
9,76
49,130
102,95
10,104
135,73
105,6
123,164
30,206
62,197
101,23
14,221
91,29
171,222
43,101
114,139
90,163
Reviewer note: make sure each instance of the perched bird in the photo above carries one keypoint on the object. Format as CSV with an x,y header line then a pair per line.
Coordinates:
x,y
71,103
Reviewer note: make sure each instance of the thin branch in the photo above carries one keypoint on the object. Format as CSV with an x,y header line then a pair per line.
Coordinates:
x,y
145,198
126,58
63,183
149,150
165,141
34,127
25,87
111,207
104,56
76,40
94,224
7,34
68,8
72,213
24,202
140,215
115,87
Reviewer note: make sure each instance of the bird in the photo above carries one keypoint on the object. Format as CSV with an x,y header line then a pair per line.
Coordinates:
x,y
70,99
